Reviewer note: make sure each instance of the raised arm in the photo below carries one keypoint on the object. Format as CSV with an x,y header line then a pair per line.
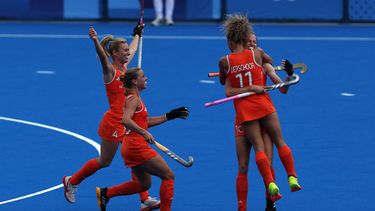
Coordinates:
x,y
133,47
108,71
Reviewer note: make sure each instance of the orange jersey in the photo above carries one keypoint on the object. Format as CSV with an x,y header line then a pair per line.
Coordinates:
x,y
111,127
140,118
244,71
116,95
135,149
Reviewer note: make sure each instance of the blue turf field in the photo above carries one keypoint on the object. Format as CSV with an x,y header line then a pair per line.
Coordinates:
x,y
330,133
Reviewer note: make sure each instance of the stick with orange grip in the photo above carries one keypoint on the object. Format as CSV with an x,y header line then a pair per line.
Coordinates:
x,y
301,66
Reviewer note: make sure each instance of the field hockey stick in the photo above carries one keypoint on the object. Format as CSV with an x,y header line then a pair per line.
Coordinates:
x,y
175,156
278,68
295,66
295,80
140,44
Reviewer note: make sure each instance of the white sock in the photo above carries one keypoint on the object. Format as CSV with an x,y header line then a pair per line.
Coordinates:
x,y
169,9
158,6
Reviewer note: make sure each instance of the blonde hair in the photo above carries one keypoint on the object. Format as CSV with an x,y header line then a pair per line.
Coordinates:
x,y
237,28
109,44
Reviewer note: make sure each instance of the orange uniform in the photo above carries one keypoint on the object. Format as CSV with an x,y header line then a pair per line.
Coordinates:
x,y
238,129
111,127
244,71
135,149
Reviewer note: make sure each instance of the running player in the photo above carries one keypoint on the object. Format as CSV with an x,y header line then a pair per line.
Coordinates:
x,y
136,152
111,129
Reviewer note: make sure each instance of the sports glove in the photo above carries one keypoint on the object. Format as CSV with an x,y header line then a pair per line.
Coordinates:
x,y
181,112
288,67
138,29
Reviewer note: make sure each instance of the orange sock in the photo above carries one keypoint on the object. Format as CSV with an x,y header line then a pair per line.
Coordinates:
x,y
242,189
166,194
286,158
143,195
264,166
274,178
89,168
126,188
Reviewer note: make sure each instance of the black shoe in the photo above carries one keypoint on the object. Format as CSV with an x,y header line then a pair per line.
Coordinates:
x,y
270,205
101,196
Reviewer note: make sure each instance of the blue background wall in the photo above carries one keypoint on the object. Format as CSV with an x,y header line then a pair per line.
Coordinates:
x,y
192,10
288,9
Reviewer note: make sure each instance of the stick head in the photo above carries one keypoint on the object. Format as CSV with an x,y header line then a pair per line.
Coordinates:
x,y
302,66
190,162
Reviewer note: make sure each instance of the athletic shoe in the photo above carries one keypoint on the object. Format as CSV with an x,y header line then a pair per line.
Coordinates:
x,y
293,183
274,192
270,205
157,22
69,190
150,204
102,198
169,22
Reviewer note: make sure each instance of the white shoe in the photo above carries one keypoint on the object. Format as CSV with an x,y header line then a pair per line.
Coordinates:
x,y
150,204
69,190
157,22
169,22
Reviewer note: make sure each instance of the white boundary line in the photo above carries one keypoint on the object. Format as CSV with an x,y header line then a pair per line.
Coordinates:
x,y
89,141
155,37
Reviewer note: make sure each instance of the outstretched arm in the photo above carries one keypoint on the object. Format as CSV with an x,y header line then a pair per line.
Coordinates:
x,y
181,112
108,71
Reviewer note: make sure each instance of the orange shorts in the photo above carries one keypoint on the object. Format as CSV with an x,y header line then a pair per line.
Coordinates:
x,y
136,151
111,129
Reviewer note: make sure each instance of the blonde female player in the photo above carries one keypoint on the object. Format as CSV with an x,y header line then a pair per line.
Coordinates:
x,y
242,71
111,129
136,152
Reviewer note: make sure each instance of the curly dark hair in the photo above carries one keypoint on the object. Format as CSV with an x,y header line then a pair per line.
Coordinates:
x,y
237,28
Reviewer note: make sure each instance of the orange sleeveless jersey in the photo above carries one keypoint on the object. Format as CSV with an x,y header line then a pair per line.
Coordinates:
x,y
244,71
111,127
135,149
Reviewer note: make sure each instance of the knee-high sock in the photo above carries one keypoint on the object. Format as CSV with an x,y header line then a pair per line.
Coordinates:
x,y
286,158
143,195
166,195
169,9
242,189
158,6
264,166
274,178
126,188
89,168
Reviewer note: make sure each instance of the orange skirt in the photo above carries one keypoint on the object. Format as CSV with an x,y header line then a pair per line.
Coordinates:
x,y
111,129
253,107
136,151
